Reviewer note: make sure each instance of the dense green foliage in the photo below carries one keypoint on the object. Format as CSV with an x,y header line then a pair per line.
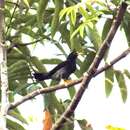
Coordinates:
x,y
61,23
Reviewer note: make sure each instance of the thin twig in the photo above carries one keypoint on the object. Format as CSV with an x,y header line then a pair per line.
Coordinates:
x,y
74,82
26,44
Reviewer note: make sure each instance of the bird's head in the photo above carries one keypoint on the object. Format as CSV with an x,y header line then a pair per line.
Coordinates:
x,y
73,55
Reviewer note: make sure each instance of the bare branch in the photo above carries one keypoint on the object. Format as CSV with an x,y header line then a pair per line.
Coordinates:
x,y
91,71
107,66
74,82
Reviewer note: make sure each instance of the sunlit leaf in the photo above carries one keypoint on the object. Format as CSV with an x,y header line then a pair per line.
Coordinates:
x,y
84,13
73,17
14,125
110,127
26,3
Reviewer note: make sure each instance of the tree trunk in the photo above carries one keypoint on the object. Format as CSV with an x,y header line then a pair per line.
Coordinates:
x,y
3,72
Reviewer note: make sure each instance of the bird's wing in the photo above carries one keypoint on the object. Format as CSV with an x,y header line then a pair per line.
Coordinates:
x,y
58,67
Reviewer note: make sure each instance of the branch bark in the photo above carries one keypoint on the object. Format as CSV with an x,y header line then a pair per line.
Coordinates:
x,y
91,71
3,72
74,82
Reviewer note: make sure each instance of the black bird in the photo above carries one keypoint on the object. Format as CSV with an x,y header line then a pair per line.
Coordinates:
x,y
61,71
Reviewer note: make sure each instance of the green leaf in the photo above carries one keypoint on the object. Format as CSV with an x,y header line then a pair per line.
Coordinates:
x,y
38,64
86,63
55,19
26,3
122,85
81,32
17,115
94,36
106,28
84,125
73,17
13,125
90,8
40,12
72,91
84,12
109,79
63,12
126,25
127,73
64,34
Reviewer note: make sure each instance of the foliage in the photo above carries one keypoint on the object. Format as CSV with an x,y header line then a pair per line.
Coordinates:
x,y
62,23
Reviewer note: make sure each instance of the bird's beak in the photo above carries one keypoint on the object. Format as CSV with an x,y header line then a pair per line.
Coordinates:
x,y
80,53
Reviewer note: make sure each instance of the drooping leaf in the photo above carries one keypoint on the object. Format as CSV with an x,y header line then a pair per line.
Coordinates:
x,y
126,24
72,91
106,28
64,33
13,125
122,85
109,79
127,73
86,63
55,19
40,12
26,3
17,115
73,17
94,36
84,12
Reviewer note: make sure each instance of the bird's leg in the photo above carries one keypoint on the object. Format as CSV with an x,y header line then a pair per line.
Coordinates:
x,y
67,81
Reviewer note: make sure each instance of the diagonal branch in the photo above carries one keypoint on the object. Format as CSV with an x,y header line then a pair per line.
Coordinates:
x,y
91,71
74,82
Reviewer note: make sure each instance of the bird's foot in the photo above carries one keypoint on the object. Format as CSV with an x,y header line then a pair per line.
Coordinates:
x,y
66,82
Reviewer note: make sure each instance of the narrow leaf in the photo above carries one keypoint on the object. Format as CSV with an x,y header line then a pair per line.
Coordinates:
x,y
41,8
109,79
84,12
26,3
55,19
127,73
73,17
122,85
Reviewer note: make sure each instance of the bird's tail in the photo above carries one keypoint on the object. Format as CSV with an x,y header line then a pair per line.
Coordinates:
x,y
41,76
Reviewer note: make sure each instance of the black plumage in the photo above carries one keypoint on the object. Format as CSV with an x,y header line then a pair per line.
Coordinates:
x,y
61,71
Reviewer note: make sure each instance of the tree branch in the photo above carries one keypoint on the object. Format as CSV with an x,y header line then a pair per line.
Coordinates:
x,y
74,82
91,71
